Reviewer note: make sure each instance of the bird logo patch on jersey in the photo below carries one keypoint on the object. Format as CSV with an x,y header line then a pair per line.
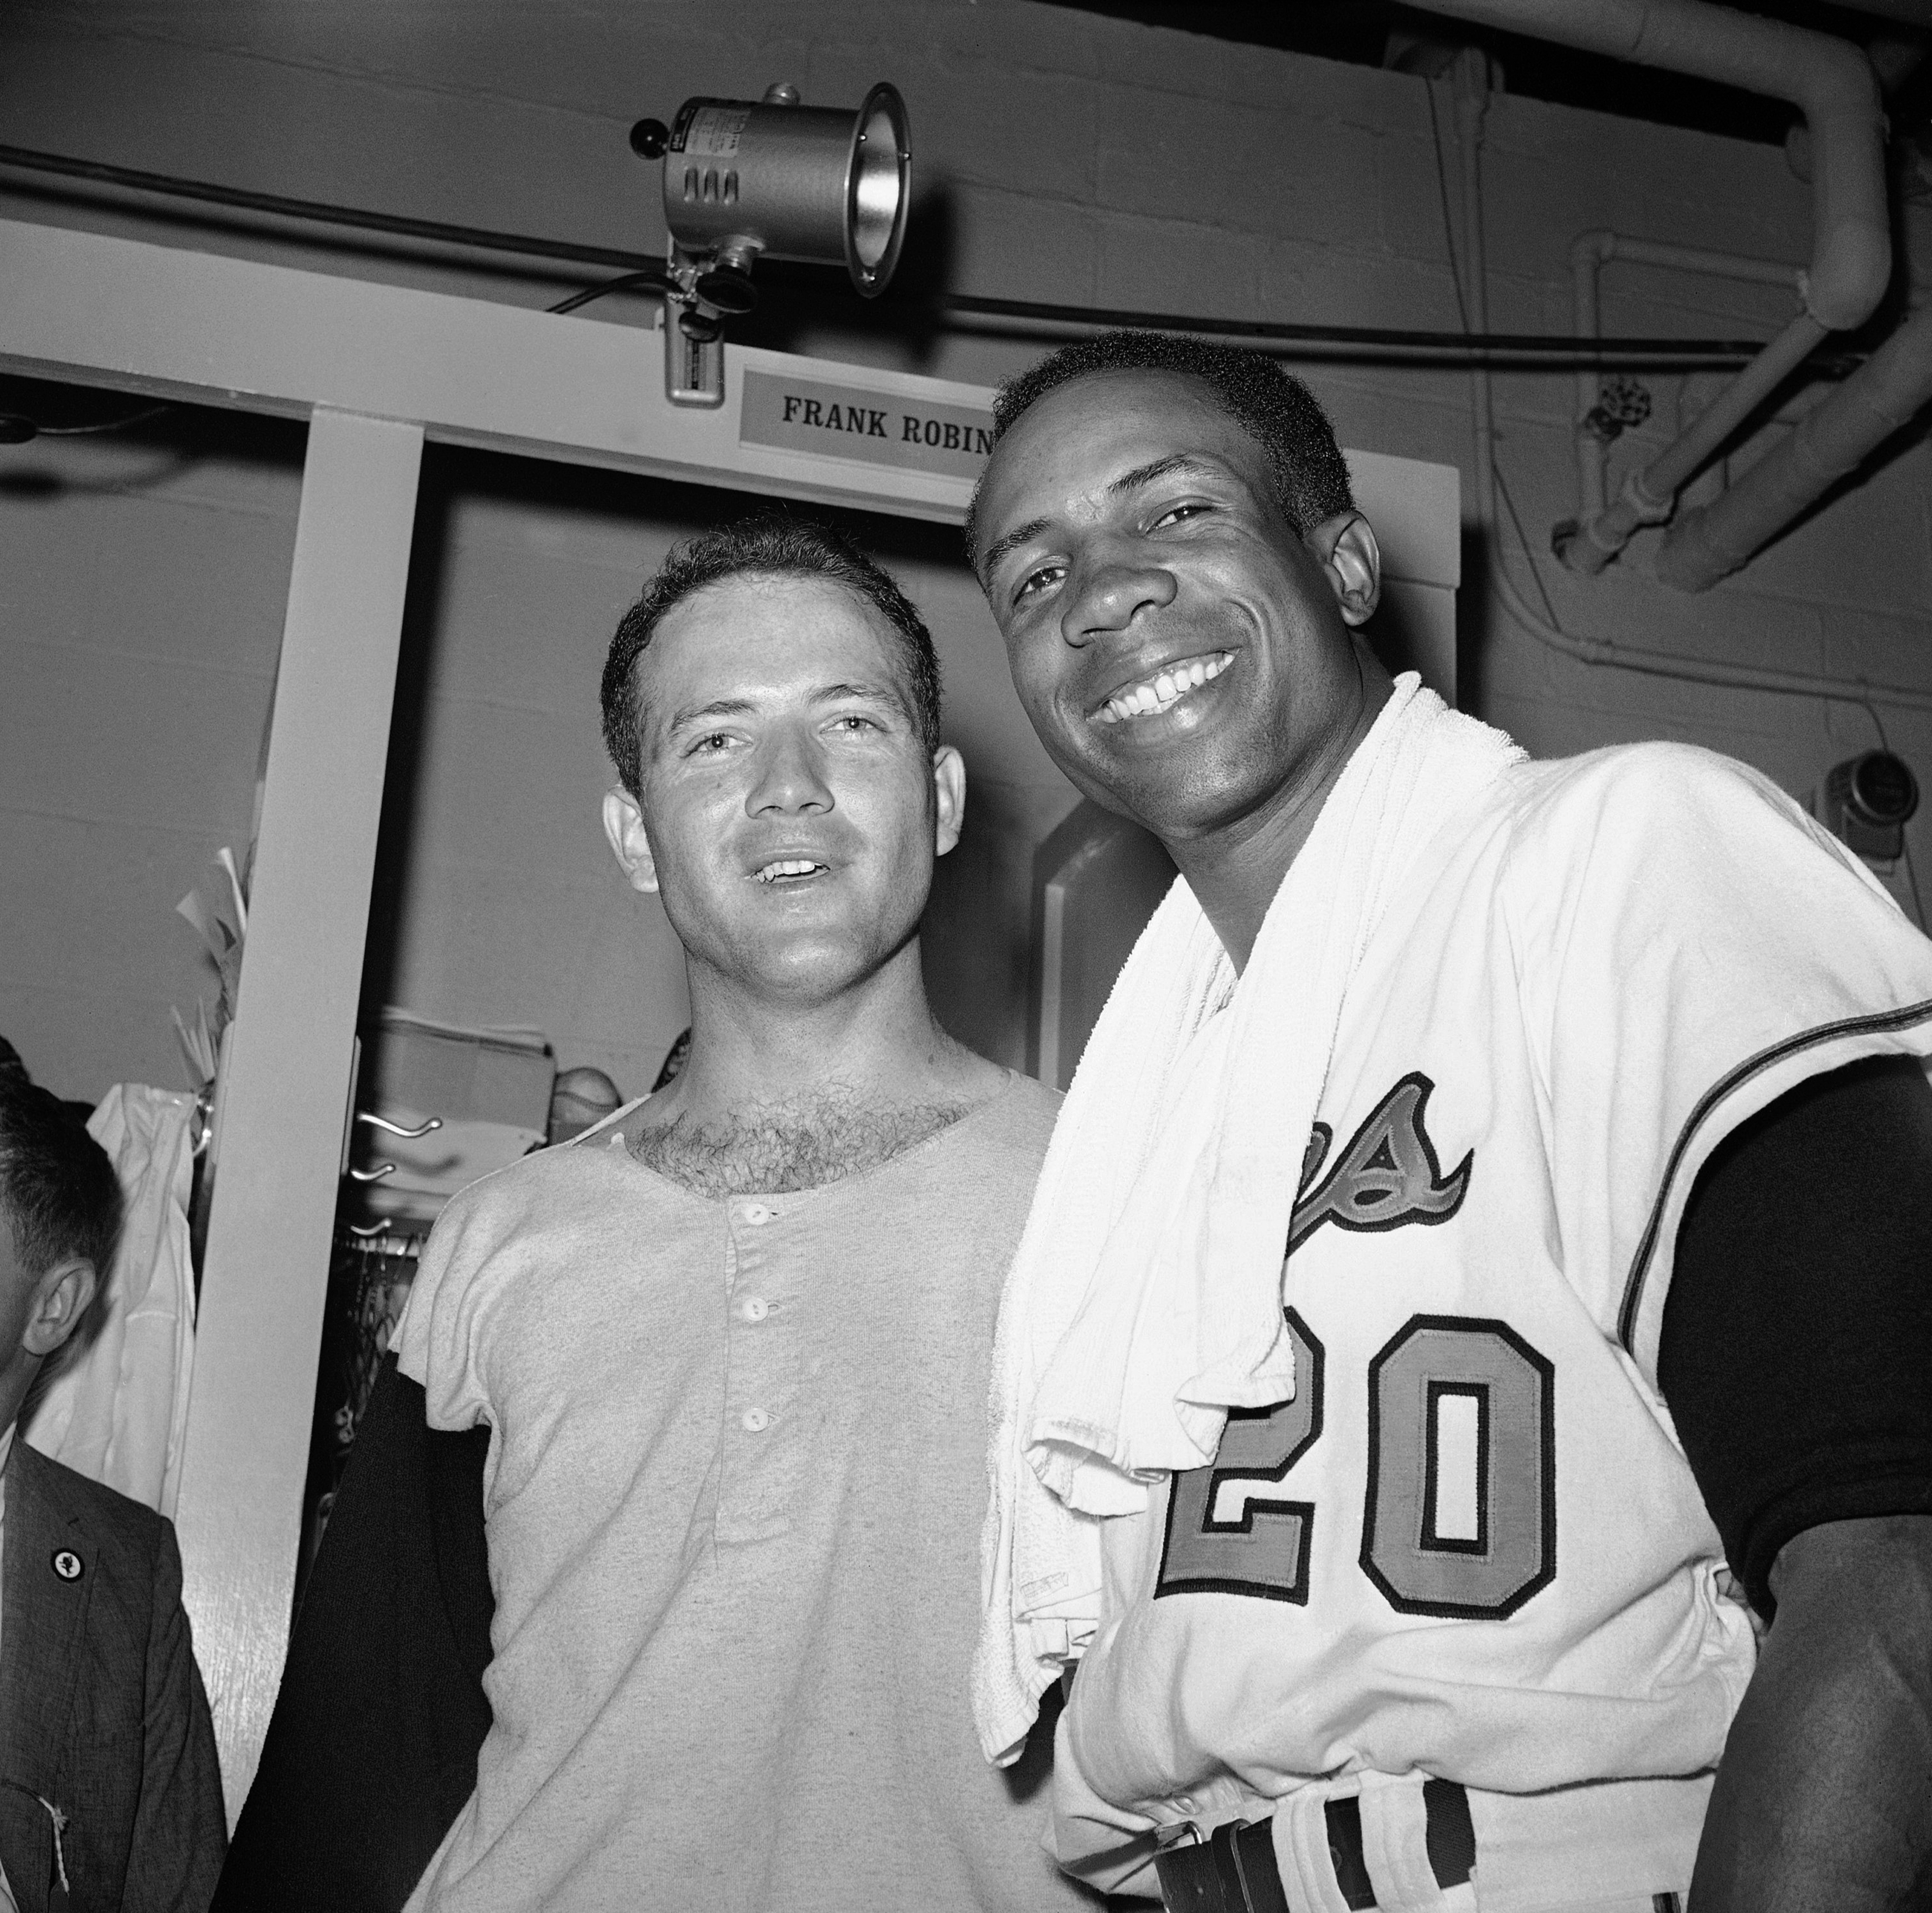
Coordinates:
x,y
1388,1175
1458,1494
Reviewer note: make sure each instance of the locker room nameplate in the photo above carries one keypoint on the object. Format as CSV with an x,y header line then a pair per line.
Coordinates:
x,y
865,425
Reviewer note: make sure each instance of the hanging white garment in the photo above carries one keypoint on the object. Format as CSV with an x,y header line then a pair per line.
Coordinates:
x,y
118,1413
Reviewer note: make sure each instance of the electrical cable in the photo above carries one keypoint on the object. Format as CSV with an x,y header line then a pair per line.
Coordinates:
x,y
1548,631
1460,346
319,211
1442,200
1551,351
1529,556
655,279
105,425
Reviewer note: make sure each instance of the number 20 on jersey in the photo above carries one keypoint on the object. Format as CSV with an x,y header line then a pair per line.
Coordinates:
x,y
1459,1515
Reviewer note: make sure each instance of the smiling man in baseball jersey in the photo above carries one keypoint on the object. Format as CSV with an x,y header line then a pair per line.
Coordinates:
x,y
1585,1101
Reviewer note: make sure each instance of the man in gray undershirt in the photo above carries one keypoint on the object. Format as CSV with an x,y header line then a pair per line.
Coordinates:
x,y
733,1343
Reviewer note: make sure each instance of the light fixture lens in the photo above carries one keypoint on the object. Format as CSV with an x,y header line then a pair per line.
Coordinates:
x,y
875,215
875,191
1883,790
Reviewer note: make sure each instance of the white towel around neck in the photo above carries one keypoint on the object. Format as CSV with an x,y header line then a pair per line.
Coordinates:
x,y
1145,1300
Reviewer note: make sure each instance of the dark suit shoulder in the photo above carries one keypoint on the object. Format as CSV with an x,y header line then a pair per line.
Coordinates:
x,y
113,1517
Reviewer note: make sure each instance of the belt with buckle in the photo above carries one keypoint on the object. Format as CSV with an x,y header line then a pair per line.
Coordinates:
x,y
1234,1870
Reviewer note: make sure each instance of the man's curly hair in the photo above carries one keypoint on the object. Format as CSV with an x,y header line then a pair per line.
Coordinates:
x,y
1273,407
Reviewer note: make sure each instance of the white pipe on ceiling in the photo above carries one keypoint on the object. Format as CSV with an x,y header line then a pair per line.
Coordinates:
x,y
1471,89
1711,542
1877,400
1589,254
1832,82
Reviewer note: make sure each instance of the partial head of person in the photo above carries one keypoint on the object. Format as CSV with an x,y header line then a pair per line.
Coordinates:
x,y
60,1217
771,703
1167,537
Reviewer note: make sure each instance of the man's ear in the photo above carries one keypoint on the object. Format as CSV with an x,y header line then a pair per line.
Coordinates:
x,y
1345,548
624,825
949,791
61,1297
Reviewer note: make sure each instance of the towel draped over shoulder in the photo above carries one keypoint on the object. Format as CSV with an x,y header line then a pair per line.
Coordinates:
x,y
1146,1298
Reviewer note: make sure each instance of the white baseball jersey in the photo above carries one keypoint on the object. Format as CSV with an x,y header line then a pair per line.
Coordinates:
x,y
1471,1545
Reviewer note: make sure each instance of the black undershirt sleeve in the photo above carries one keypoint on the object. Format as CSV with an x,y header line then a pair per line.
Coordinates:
x,y
1796,1354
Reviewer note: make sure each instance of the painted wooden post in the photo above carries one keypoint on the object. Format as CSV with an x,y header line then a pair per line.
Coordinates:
x,y
285,1086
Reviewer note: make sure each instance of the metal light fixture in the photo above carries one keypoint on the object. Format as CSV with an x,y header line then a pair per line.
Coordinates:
x,y
746,179
1869,800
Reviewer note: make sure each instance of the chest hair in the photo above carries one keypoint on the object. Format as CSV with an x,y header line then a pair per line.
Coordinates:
x,y
801,1142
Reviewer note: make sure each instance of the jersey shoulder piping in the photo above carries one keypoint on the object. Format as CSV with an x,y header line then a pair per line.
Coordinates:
x,y
1881,1022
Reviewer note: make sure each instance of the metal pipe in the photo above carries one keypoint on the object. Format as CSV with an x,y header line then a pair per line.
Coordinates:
x,y
1472,82
1711,542
1589,253
1471,101
1829,80
1658,482
1832,440
1832,83
1649,495
1698,259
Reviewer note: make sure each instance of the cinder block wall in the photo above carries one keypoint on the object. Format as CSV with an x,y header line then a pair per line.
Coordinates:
x,y
1061,157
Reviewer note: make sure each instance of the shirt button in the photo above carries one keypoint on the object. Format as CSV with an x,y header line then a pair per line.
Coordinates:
x,y
755,1308
755,1420
756,1213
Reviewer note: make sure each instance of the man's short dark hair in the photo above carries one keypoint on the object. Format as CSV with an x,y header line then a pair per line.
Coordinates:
x,y
768,545
1273,407
58,1192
